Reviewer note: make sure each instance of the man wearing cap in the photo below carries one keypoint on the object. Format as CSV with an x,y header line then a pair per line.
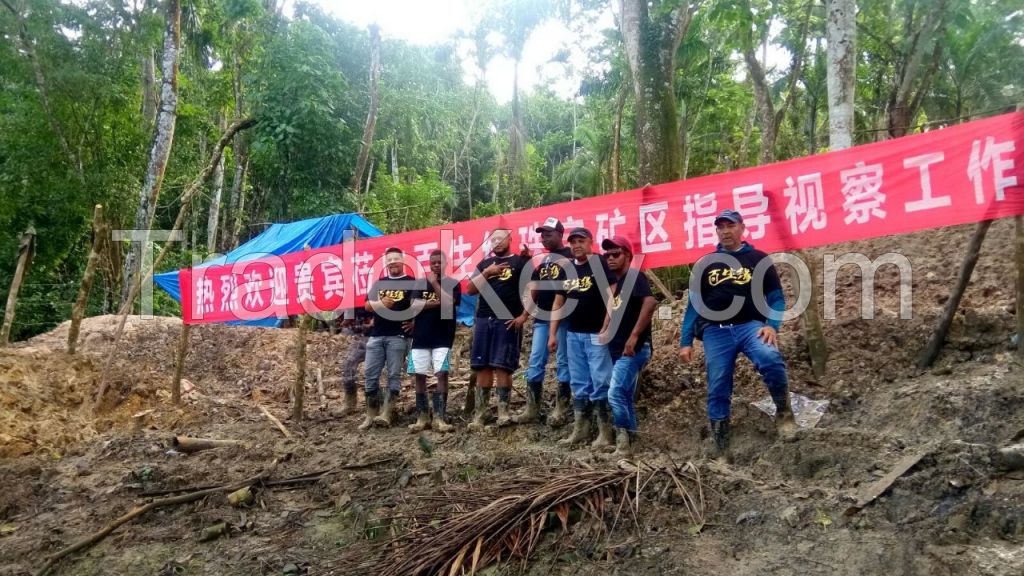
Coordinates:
x,y
736,305
497,332
547,277
389,300
590,364
630,346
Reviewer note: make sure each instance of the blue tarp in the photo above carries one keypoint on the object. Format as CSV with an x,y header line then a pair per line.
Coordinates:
x,y
282,239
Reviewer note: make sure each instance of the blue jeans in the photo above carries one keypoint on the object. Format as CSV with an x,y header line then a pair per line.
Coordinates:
x,y
722,343
539,352
380,350
621,393
590,366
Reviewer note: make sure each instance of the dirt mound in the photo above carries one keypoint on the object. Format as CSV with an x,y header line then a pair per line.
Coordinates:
x,y
46,394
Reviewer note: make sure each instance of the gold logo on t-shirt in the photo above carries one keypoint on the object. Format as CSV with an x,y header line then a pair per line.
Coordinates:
x,y
738,276
396,295
578,284
506,273
616,302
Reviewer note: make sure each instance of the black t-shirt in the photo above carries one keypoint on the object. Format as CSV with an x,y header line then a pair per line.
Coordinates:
x,y
431,330
719,284
588,316
400,290
628,307
551,268
504,285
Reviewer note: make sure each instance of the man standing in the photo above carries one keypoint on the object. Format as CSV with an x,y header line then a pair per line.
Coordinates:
x,y
389,300
630,347
356,326
497,333
736,308
551,270
433,334
590,364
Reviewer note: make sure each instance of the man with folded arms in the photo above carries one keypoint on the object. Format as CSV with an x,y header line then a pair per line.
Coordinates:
x,y
590,364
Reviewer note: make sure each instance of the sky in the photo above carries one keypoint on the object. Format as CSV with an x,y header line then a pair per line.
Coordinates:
x,y
436,21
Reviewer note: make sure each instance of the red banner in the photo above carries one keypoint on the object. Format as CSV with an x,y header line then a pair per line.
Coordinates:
x,y
966,173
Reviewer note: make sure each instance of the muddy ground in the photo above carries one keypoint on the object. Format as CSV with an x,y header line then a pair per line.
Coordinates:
x,y
778,508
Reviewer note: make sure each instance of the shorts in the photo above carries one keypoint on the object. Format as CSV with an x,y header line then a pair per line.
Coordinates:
x,y
495,346
421,360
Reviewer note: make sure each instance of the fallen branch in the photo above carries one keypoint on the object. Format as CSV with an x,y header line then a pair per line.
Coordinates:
x,y
309,477
276,422
91,540
188,445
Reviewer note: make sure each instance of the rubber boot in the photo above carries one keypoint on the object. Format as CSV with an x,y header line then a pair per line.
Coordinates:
x,y
605,437
562,403
785,423
504,417
422,413
483,398
720,440
471,393
348,403
440,410
623,443
372,409
581,423
388,411
534,394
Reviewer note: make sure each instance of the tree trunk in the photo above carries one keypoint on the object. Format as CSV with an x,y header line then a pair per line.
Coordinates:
x,y
179,220
162,141
217,188
149,93
78,309
620,103
371,116
651,41
912,83
841,31
772,117
241,153
26,250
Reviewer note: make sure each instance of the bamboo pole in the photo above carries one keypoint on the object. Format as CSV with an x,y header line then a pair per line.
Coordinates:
x,y
26,249
931,351
299,391
1019,221
179,362
78,310
1019,243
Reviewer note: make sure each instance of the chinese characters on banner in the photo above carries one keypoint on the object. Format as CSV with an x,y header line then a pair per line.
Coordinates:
x,y
957,175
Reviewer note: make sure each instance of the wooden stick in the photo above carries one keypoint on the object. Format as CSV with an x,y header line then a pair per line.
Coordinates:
x,y
26,249
78,310
1019,225
810,321
179,363
931,351
137,511
190,445
299,390
292,480
276,422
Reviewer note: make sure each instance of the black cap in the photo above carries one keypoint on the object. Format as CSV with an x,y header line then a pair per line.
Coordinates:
x,y
551,224
581,232
730,215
